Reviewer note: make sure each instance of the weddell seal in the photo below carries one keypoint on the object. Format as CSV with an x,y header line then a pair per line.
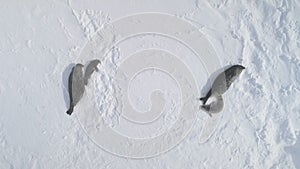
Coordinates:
x,y
220,85
76,86
91,67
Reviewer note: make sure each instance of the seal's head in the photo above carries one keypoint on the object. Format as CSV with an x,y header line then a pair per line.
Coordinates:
x,y
94,62
97,61
237,69
79,65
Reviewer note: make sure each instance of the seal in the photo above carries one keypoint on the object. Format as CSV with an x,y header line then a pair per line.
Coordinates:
x,y
76,86
220,85
91,67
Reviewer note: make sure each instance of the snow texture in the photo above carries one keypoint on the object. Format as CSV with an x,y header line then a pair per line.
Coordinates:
x,y
41,40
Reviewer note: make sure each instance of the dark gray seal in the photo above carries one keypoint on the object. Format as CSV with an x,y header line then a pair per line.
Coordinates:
x,y
91,67
220,85
76,86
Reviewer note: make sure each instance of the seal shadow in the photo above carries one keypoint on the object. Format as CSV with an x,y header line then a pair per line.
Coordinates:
x,y
211,79
65,80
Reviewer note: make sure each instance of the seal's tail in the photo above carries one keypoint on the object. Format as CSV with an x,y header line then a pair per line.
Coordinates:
x,y
70,111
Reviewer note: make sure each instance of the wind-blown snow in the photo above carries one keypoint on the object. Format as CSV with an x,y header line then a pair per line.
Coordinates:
x,y
261,117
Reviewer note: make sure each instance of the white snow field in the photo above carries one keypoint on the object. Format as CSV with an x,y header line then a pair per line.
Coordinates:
x,y
140,110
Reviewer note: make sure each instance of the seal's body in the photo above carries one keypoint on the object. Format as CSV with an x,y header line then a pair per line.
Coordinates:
x,y
91,67
76,86
220,85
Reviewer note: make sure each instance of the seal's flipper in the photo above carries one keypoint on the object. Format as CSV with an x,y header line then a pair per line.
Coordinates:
x,y
204,99
206,108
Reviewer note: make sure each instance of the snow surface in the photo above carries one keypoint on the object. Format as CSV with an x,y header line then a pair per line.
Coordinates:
x,y
260,123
